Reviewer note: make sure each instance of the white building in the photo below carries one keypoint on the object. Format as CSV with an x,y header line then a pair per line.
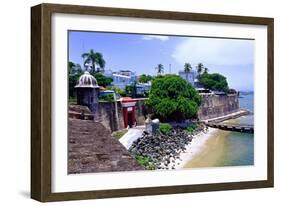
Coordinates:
x,y
122,78
190,77
143,88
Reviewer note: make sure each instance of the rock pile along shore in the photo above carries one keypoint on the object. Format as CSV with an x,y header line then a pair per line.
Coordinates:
x,y
162,149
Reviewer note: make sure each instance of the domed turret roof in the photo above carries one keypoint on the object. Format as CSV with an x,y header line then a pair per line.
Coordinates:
x,y
87,81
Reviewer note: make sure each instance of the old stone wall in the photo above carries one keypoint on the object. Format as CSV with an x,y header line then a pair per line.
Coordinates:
x,y
141,111
106,114
217,105
212,106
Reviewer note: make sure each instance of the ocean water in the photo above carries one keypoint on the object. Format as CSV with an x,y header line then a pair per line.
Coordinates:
x,y
239,147
228,148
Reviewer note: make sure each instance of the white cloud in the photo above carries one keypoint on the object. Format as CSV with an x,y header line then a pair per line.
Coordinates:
x,y
211,51
151,37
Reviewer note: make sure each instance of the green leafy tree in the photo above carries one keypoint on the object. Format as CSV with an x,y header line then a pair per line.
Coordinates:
x,y
117,90
159,69
107,98
130,90
187,67
145,78
95,59
103,80
74,72
172,98
216,82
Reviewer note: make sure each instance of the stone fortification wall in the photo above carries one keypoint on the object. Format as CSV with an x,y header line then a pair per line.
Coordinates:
x,y
217,105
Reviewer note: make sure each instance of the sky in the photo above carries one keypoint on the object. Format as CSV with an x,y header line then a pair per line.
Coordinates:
x,y
233,58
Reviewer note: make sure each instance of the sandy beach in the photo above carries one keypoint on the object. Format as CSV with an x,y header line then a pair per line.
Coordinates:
x,y
196,147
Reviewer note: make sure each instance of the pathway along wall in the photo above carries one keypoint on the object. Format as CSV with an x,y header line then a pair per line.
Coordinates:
x,y
217,105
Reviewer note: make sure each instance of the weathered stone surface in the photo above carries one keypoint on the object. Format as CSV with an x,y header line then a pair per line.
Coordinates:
x,y
92,149
213,106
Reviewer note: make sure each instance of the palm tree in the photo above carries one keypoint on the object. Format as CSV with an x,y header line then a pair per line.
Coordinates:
x,y
159,69
95,59
206,70
100,61
200,67
187,67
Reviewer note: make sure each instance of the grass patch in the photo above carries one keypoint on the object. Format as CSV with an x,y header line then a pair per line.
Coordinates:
x,y
118,134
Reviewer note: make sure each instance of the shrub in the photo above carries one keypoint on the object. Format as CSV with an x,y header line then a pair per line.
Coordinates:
x,y
107,98
117,90
165,128
145,161
191,128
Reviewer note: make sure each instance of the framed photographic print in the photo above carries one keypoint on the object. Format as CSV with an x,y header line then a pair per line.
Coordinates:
x,y
130,102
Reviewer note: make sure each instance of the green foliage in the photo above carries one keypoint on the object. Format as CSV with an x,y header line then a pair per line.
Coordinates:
x,y
102,80
107,98
145,161
130,90
165,128
145,78
72,100
117,90
74,72
172,98
191,128
214,81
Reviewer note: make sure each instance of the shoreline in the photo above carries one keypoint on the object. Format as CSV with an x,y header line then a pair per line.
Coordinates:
x,y
194,148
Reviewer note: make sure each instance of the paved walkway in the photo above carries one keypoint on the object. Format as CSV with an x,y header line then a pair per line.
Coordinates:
x,y
132,135
239,113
